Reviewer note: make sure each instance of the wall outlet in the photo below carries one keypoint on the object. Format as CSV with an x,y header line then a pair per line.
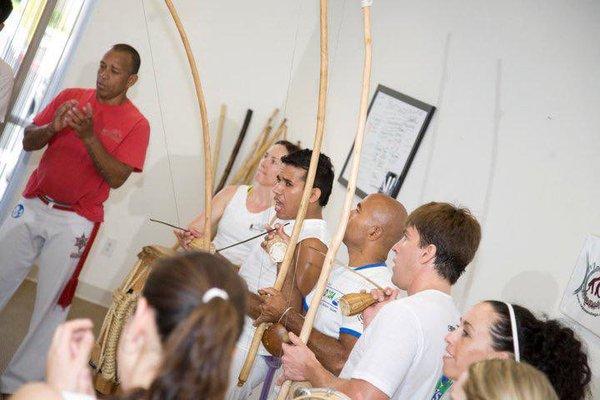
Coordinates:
x,y
109,247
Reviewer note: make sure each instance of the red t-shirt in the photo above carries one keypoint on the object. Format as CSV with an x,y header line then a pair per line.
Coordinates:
x,y
66,172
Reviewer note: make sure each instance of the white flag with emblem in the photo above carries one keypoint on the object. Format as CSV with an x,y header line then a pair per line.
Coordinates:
x,y
581,300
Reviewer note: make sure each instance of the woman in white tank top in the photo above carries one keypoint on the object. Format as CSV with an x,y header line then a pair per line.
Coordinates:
x,y
240,212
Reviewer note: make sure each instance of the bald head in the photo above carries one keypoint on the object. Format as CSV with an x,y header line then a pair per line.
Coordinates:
x,y
390,215
377,223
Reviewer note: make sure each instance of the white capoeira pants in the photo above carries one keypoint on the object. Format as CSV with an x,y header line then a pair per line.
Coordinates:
x,y
57,239
257,375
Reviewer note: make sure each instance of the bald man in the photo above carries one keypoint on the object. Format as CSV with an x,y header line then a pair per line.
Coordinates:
x,y
374,226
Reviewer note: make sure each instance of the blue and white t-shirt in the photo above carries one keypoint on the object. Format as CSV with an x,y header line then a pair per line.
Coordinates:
x,y
329,319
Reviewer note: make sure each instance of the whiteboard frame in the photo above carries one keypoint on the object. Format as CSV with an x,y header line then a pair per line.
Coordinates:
x,y
429,109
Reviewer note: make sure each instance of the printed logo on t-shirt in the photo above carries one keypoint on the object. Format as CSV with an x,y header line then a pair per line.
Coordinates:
x,y
331,299
114,134
18,211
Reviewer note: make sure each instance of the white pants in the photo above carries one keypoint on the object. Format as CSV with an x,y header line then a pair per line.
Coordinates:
x,y
257,375
55,238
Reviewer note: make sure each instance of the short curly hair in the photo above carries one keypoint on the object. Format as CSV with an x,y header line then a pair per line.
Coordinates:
x,y
548,346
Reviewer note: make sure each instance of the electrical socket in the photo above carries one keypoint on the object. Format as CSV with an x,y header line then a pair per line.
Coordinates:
x,y
109,247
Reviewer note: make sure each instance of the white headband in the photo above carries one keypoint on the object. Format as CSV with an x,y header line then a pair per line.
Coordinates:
x,y
366,3
214,292
513,328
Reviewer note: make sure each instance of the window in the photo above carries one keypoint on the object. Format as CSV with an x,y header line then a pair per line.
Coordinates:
x,y
36,42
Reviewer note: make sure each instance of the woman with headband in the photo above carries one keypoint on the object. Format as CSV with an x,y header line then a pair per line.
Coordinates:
x,y
494,329
177,345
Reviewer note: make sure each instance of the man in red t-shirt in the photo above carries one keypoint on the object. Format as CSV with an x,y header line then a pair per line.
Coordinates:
x,y
95,138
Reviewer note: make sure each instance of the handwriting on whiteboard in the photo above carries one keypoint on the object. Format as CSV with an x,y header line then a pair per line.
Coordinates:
x,y
391,130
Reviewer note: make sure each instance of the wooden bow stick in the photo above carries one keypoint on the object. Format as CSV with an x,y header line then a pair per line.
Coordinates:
x,y
235,151
310,179
218,140
337,240
208,176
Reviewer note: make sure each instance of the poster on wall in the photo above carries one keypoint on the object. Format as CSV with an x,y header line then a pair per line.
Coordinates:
x,y
395,127
581,300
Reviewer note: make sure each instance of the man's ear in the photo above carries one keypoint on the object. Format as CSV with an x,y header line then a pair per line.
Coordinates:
x,y
428,254
315,195
374,232
133,78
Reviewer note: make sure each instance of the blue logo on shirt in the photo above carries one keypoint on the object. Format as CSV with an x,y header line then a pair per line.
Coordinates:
x,y
18,211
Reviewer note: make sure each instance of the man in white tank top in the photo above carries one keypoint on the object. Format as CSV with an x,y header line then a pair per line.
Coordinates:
x,y
259,271
374,226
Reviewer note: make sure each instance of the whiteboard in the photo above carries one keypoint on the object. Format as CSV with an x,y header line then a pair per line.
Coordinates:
x,y
395,127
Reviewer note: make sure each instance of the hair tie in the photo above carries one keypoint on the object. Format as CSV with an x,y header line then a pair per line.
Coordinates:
x,y
214,292
513,328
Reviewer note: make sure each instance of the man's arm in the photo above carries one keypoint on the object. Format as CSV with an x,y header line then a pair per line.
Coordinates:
x,y
332,353
310,256
114,172
300,364
36,137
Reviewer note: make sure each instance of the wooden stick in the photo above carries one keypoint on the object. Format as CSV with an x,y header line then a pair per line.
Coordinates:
x,y
219,139
239,176
310,178
235,151
208,182
269,123
253,164
350,193
245,175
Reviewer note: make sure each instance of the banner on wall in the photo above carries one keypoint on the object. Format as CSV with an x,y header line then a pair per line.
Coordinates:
x,y
581,300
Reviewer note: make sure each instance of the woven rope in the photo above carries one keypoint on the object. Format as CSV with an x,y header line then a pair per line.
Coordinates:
x,y
121,308
125,304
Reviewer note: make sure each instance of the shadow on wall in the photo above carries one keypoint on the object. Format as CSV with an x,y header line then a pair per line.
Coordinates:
x,y
538,290
152,195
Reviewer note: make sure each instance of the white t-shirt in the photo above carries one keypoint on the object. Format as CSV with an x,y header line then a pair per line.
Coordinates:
x,y
6,85
400,352
260,272
238,224
329,319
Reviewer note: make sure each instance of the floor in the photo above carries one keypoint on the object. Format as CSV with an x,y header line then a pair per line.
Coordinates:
x,y
14,319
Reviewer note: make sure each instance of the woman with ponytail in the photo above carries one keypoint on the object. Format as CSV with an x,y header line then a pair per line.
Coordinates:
x,y
494,329
177,345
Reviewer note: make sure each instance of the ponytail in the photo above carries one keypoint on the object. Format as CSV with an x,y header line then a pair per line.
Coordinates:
x,y
198,355
200,303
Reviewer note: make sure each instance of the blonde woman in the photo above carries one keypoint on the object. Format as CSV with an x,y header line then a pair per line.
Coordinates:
x,y
503,380
240,212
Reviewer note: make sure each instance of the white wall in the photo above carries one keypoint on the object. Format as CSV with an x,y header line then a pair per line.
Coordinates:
x,y
515,137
